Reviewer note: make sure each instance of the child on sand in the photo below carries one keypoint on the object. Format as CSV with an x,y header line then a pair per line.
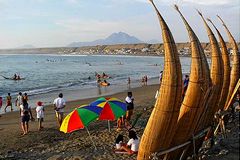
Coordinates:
x,y
40,114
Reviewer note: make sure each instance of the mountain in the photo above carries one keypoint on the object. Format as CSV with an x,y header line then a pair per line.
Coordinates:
x,y
115,38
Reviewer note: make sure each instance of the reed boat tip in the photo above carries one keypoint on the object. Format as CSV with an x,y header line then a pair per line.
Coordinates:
x,y
199,12
176,7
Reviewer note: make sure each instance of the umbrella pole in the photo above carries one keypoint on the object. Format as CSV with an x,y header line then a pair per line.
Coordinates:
x,y
109,127
91,138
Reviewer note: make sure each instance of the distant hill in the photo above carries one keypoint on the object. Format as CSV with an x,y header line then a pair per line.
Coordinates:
x,y
26,46
115,38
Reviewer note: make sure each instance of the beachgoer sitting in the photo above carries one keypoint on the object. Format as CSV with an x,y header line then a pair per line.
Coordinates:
x,y
133,143
119,142
120,122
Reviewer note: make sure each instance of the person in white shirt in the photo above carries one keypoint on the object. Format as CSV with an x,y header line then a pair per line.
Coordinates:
x,y
130,106
19,100
133,143
59,105
40,114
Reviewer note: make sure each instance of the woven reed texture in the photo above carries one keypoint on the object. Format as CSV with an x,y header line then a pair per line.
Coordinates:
x,y
235,70
226,69
216,76
192,105
162,122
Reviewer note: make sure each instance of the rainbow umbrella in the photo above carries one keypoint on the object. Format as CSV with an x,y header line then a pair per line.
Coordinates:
x,y
112,108
80,118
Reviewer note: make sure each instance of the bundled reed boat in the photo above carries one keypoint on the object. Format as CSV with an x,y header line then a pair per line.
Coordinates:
x,y
161,125
199,85
235,69
216,76
226,69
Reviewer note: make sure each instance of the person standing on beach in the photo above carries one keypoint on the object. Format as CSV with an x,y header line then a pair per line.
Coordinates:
x,y
25,97
26,115
59,105
129,81
145,80
160,77
19,100
0,104
185,84
40,114
130,106
8,102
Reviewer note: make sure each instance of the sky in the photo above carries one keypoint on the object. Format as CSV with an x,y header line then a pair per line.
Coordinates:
x,y
57,23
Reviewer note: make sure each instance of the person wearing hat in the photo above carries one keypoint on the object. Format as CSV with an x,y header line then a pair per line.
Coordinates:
x,y
40,114
59,105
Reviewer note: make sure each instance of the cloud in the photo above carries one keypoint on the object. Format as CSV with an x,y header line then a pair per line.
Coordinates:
x,y
212,2
196,2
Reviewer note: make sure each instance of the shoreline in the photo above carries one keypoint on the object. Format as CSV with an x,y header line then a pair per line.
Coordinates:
x,y
77,94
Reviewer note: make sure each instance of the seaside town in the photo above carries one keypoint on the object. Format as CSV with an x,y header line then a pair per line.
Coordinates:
x,y
184,49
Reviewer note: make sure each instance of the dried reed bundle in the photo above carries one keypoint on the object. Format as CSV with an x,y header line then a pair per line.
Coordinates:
x,y
226,69
216,75
199,84
162,122
235,71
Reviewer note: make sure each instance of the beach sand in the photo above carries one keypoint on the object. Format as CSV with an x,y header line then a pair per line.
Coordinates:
x,y
50,143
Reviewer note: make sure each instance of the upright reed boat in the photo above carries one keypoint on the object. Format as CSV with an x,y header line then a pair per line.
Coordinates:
x,y
216,75
235,69
226,69
199,85
161,125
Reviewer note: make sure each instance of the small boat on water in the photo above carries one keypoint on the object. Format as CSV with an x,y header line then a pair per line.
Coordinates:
x,y
11,78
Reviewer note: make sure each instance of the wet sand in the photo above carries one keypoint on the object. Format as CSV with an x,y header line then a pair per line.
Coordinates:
x,y
50,143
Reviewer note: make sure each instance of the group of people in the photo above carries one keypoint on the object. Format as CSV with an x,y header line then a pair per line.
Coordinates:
x,y
144,80
131,147
25,110
16,77
101,79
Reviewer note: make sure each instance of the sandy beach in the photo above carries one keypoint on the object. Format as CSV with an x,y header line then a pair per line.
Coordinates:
x,y
50,143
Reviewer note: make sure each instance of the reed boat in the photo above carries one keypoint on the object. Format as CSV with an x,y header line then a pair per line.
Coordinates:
x,y
199,85
226,69
161,125
216,74
235,69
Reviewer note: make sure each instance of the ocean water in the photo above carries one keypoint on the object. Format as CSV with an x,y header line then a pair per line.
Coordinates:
x,y
45,74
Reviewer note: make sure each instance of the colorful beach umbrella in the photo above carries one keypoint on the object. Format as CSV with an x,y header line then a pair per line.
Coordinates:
x,y
112,108
80,118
